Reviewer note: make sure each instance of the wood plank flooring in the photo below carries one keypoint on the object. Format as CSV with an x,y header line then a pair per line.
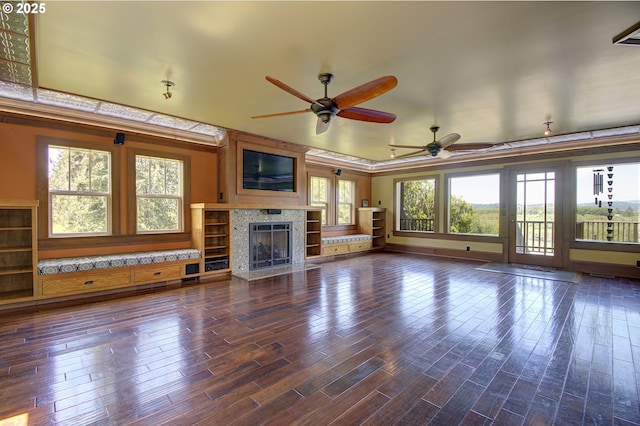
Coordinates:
x,y
380,339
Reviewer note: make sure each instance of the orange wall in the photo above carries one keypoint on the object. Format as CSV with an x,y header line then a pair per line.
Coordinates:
x,y
18,175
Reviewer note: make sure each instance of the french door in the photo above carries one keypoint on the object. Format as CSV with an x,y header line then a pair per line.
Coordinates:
x,y
535,226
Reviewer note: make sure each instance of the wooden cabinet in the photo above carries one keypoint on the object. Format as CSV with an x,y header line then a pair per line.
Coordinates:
x,y
313,233
18,249
371,221
210,233
157,273
84,282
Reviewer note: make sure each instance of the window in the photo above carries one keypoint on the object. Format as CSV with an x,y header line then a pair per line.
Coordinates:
x,y
319,195
416,205
79,188
159,189
608,202
474,204
346,197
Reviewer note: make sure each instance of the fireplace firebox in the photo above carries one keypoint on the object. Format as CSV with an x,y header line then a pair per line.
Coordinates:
x,y
270,244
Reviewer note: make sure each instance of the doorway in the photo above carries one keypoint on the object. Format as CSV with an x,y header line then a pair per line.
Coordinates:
x,y
535,227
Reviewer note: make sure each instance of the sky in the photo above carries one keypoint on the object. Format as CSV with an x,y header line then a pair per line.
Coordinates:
x,y
484,189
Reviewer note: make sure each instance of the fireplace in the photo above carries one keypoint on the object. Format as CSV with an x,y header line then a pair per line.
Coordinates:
x,y
243,219
269,244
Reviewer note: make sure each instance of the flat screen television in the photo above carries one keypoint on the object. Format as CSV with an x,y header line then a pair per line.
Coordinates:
x,y
268,172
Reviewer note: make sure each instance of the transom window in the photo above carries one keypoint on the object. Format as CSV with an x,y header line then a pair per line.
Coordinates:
x,y
79,184
159,189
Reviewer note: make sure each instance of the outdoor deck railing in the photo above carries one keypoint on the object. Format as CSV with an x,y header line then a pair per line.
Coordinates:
x,y
424,225
539,234
598,230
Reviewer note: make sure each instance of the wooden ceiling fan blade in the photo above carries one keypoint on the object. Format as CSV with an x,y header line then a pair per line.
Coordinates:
x,y
444,154
365,92
408,146
448,140
322,126
291,90
469,146
280,114
410,154
364,114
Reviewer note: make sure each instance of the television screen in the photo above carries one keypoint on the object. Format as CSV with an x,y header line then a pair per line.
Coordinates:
x,y
267,171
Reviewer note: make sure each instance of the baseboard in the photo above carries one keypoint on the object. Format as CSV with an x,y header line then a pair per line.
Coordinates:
x,y
452,253
606,269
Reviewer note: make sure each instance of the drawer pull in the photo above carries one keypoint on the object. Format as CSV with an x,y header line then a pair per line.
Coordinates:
x,y
157,273
88,282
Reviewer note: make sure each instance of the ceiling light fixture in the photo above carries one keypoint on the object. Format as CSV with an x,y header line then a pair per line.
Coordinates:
x,y
167,95
547,131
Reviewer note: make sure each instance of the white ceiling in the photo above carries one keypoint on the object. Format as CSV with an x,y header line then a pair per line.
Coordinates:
x,y
490,71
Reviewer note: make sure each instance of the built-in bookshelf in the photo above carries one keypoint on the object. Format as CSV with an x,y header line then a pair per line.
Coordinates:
x,y
18,249
371,221
313,233
210,234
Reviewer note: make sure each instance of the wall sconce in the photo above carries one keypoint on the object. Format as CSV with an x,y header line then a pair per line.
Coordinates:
x,y
168,84
393,153
547,131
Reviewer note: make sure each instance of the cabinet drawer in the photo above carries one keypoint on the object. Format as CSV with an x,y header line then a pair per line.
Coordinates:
x,y
84,283
360,246
330,249
159,273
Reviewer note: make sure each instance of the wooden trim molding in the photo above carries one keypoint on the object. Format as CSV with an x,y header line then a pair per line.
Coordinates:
x,y
42,180
605,269
451,253
131,187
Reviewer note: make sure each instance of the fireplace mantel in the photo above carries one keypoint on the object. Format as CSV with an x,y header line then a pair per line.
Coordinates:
x,y
254,206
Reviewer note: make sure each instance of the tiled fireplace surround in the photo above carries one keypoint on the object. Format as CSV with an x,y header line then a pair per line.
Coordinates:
x,y
240,253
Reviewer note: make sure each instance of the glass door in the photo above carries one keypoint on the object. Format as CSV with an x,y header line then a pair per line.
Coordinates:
x,y
535,229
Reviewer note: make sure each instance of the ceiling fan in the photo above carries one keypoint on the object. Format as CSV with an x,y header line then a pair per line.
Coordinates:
x,y
441,148
343,105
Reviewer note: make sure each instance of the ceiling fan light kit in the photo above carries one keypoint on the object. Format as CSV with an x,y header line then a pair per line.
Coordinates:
x,y
343,105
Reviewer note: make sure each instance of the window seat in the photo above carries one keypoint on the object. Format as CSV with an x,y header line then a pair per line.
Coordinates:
x,y
90,263
344,244
76,276
345,238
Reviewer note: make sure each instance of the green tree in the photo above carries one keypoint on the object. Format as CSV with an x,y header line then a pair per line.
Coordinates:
x,y
79,182
462,217
418,205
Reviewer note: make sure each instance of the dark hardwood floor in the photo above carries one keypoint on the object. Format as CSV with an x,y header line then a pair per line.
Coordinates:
x,y
379,339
